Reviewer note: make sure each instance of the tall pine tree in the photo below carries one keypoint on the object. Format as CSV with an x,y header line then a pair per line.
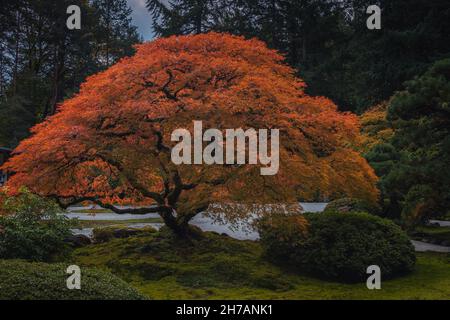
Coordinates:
x,y
42,62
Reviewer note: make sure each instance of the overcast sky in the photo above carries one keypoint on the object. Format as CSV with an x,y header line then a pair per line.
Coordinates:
x,y
141,18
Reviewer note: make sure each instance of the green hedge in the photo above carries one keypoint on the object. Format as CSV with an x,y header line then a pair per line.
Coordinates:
x,y
338,246
342,246
20,280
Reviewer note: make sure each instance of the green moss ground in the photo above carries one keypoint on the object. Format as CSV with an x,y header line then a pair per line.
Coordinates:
x,y
218,267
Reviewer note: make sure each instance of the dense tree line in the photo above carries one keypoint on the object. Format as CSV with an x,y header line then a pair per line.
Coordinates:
x,y
327,40
42,61
413,162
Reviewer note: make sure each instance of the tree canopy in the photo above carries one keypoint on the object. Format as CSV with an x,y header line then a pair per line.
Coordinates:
x,y
111,142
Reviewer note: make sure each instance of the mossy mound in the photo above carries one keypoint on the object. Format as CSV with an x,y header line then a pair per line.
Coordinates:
x,y
105,234
20,280
342,246
219,267
209,260
352,205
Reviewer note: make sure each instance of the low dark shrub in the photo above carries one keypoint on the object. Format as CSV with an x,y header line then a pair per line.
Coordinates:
x,y
20,280
342,246
78,240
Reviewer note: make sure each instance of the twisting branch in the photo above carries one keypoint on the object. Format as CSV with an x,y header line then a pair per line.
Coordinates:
x,y
131,179
67,201
174,195
188,216
165,87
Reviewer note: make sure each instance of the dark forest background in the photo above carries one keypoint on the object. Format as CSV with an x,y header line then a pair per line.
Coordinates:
x,y
42,62
405,66
327,41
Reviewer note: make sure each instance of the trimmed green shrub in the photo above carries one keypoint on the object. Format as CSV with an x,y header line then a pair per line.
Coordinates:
x,y
342,246
20,280
32,228
352,205
281,236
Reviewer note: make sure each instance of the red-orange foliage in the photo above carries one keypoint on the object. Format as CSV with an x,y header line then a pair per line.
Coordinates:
x,y
110,142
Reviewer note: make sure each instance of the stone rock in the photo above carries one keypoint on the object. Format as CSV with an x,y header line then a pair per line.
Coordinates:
x,y
445,243
435,241
78,240
125,233
433,224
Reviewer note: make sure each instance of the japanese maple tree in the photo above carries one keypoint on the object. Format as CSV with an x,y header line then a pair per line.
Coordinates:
x,y
111,143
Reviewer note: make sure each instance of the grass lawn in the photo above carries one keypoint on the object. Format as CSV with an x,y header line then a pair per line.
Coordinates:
x,y
218,267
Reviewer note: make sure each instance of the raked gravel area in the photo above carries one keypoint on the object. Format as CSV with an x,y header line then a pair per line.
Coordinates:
x,y
207,224
424,246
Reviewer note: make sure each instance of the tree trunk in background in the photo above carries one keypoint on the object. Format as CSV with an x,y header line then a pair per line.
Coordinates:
x,y
58,80
16,53
199,17
108,31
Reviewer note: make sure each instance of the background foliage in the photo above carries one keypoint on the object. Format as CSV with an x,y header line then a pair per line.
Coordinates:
x,y
413,163
327,41
341,246
31,228
42,62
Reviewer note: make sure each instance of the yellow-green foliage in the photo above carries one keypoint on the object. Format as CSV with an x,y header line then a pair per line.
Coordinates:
x,y
219,267
375,128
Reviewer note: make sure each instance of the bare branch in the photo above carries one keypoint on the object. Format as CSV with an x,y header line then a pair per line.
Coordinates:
x,y
68,201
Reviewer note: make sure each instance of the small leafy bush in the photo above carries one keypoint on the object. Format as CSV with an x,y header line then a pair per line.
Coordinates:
x,y
32,228
352,205
342,246
20,280
282,236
